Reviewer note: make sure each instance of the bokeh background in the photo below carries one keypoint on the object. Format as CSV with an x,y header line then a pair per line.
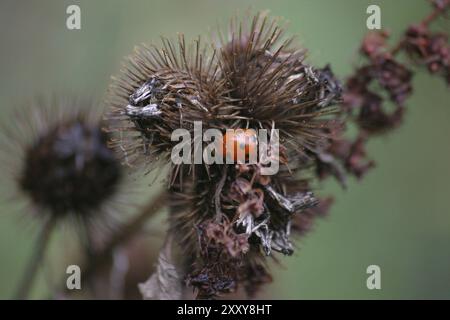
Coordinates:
x,y
398,217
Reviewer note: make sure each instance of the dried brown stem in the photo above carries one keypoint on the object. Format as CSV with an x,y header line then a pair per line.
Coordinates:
x,y
218,193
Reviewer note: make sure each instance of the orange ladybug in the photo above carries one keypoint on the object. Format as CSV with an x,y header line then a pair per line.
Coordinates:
x,y
240,142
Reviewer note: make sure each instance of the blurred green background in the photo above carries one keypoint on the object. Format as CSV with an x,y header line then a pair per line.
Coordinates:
x,y
398,217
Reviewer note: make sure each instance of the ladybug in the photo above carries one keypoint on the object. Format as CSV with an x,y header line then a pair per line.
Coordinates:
x,y
243,140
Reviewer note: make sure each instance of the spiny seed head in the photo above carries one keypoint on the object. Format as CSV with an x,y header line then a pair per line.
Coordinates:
x,y
228,218
65,167
160,90
70,169
252,79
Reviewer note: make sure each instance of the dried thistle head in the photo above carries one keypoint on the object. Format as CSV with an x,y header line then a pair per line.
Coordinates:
x,y
270,83
60,161
228,218
159,91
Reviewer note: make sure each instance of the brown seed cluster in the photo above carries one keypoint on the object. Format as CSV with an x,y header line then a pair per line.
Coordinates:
x,y
375,95
383,71
61,165
70,169
428,48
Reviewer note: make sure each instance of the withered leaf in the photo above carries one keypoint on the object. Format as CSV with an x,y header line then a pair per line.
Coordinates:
x,y
165,283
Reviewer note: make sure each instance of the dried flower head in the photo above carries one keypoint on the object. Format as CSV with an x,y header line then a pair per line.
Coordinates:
x,y
383,72
429,49
375,94
228,217
63,165
160,90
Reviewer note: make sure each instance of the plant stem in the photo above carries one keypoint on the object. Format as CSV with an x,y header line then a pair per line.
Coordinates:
x,y
218,193
121,236
35,260
436,13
